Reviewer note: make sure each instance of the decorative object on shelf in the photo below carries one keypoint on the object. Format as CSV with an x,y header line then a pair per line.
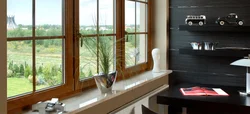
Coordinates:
x,y
210,45
156,58
197,45
50,106
204,45
195,20
245,63
231,19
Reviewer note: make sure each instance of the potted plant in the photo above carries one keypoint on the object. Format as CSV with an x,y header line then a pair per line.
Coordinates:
x,y
103,49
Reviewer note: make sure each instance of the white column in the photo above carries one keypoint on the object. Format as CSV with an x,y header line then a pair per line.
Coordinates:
x,y
159,32
3,57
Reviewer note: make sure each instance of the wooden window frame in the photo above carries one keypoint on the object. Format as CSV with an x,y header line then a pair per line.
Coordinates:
x,y
72,82
87,82
142,67
15,104
81,85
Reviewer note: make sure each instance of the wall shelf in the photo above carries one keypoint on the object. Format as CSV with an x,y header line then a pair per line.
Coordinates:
x,y
218,52
214,28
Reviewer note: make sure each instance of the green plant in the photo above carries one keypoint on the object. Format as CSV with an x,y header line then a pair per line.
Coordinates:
x,y
51,75
10,65
16,68
22,69
10,73
102,48
90,73
27,71
40,70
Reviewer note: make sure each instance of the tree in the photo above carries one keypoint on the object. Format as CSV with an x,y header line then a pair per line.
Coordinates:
x,y
22,69
27,71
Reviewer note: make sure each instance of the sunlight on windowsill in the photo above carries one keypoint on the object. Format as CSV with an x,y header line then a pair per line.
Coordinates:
x,y
93,96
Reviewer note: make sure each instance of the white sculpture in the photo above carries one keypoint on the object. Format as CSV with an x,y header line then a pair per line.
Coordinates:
x,y
156,58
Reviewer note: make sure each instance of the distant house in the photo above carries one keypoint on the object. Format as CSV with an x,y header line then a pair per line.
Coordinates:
x,y
11,23
103,28
90,28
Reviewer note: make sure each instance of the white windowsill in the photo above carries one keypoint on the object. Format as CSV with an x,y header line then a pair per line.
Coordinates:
x,y
92,97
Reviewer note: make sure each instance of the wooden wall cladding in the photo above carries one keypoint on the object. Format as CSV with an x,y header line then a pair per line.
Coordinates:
x,y
206,69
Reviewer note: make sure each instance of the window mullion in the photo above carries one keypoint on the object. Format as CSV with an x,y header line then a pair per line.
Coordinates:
x,y
135,28
34,44
63,41
97,31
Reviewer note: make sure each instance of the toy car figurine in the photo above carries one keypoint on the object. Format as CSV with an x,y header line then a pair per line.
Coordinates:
x,y
231,19
195,20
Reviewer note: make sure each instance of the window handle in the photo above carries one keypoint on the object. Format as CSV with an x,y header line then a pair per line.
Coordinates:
x,y
79,35
126,33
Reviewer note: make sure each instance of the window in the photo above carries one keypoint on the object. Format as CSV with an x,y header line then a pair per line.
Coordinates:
x,y
136,32
47,56
35,46
96,24
36,51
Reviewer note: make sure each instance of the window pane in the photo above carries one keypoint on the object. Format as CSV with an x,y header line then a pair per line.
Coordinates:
x,y
130,50
49,18
141,46
130,16
19,20
106,17
106,53
88,57
19,64
49,63
88,16
141,17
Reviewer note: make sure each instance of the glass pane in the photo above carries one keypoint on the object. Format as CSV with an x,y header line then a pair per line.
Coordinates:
x,y
141,17
130,16
106,54
19,19
141,46
88,57
19,64
88,16
49,18
106,16
130,50
49,63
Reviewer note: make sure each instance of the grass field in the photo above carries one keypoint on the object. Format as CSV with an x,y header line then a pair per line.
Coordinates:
x,y
16,86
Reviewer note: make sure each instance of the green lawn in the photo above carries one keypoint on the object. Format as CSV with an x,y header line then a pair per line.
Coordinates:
x,y
18,86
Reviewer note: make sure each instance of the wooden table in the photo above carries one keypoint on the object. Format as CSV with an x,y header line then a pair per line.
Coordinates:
x,y
232,104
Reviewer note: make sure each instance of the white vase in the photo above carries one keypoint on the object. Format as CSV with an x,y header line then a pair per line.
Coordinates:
x,y
156,58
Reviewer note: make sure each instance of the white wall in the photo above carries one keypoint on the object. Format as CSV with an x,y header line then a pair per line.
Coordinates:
x,y
159,32
3,56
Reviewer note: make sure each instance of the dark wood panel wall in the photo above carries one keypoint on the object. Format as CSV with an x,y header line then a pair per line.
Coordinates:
x,y
206,69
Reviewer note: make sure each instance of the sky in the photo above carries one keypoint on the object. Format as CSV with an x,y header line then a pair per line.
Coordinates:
x,y
50,12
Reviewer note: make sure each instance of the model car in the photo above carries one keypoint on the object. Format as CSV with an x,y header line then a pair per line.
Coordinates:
x,y
195,20
231,19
